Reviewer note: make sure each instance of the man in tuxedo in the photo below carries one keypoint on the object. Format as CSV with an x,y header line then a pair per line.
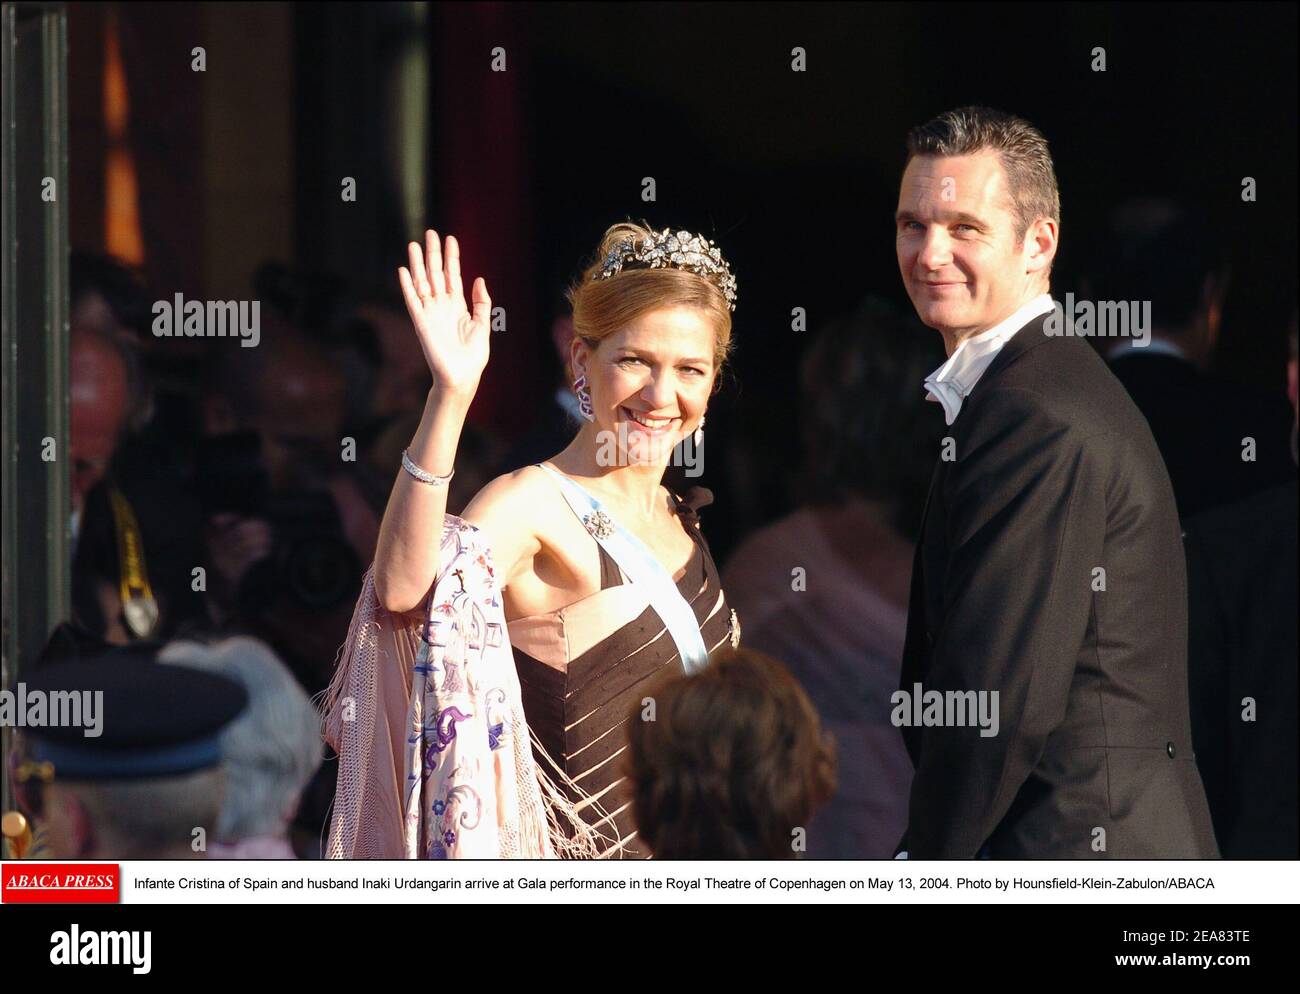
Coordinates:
x,y
1243,584
1158,251
1049,590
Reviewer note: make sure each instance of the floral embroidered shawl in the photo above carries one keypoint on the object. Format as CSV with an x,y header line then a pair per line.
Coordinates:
x,y
425,713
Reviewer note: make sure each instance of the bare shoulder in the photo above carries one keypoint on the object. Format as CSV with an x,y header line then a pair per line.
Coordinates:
x,y
506,494
507,510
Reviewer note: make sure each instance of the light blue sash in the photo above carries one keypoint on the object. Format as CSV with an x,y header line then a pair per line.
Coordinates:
x,y
642,568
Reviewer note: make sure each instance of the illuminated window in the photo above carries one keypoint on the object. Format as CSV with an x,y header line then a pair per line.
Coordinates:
x,y
122,235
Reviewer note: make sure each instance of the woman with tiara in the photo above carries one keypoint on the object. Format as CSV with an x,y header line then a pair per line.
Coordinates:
x,y
480,704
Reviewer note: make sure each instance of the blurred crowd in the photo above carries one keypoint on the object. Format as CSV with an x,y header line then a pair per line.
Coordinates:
x,y
251,482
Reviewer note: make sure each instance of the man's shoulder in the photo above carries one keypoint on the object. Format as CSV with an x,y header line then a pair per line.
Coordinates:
x,y
1039,357
1060,381
1267,518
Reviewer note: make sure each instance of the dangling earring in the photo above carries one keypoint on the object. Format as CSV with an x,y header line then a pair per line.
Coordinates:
x,y
584,398
699,432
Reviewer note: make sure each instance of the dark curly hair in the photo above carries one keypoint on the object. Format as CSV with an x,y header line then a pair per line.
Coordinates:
x,y
730,763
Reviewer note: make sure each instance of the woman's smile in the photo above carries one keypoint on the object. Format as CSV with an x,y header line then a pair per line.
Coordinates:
x,y
651,425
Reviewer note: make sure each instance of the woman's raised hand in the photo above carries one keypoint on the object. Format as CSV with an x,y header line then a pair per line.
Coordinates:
x,y
455,341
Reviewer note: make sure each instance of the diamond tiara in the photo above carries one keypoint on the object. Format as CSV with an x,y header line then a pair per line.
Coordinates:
x,y
681,250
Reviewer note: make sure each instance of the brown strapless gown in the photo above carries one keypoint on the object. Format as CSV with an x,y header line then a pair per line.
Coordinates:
x,y
584,669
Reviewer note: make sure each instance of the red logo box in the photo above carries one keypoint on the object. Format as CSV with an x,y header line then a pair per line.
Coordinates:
x,y
60,883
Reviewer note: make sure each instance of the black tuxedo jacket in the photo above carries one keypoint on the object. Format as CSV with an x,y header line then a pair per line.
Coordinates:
x,y
1050,569
1199,421
1243,587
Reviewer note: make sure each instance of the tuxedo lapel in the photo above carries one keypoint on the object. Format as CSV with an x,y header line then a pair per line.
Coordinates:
x,y
929,498
917,641
1030,336
930,560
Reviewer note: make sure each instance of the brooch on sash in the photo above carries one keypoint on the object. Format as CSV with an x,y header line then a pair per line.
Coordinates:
x,y
599,524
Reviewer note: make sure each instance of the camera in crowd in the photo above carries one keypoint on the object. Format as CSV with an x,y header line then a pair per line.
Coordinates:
x,y
311,562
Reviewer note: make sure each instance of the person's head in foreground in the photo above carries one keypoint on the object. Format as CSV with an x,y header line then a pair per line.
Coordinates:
x,y
269,753
978,219
729,762
126,763
651,331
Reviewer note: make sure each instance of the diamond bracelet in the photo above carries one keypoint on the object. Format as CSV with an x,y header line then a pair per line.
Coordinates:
x,y
422,475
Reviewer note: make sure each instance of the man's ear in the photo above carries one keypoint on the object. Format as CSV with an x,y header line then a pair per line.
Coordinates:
x,y
1040,246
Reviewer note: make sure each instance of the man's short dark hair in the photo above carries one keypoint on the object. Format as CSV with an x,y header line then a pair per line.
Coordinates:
x,y
1031,177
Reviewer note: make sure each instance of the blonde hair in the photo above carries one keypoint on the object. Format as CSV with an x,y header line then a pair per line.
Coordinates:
x,y
604,307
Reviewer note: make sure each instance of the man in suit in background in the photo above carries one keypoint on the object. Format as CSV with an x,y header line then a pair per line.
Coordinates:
x,y
1049,591
1156,252
1243,582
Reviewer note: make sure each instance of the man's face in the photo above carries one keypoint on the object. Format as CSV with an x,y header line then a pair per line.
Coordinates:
x,y
301,423
960,255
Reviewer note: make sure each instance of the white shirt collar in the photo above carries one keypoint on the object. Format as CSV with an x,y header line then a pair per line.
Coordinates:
x,y
953,382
